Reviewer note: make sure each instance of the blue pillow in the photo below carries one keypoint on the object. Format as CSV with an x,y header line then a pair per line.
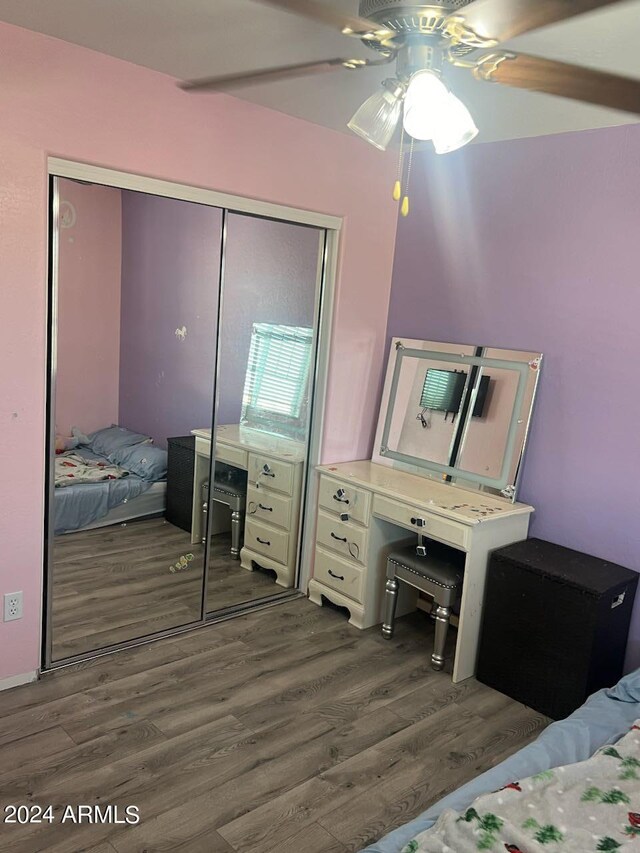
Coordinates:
x,y
106,441
145,460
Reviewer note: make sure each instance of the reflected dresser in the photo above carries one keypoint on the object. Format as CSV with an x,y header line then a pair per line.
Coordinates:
x,y
274,492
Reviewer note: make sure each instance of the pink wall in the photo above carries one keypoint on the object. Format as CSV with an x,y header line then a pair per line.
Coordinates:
x,y
90,255
62,100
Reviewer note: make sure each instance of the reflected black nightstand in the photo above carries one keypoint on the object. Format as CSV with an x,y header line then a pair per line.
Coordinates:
x,y
180,465
555,625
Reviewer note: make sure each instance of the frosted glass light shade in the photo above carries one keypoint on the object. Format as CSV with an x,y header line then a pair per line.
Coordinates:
x,y
376,120
425,104
456,129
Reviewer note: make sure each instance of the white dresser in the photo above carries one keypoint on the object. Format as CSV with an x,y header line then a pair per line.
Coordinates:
x,y
365,510
274,491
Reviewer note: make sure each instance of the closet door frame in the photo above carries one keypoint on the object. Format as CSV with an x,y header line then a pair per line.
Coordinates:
x,y
327,272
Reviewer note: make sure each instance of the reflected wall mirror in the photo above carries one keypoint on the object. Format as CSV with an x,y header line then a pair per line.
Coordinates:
x,y
457,412
174,320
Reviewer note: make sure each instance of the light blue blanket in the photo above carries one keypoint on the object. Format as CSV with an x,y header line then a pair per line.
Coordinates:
x,y
603,719
84,503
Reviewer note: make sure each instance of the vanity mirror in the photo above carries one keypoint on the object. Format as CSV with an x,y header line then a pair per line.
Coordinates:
x,y
456,412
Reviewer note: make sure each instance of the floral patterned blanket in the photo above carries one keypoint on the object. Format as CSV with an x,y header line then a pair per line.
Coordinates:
x,y
72,469
593,805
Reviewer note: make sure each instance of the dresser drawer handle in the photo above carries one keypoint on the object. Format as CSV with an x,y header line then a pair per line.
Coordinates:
x,y
339,538
340,497
266,470
419,522
265,508
337,577
263,541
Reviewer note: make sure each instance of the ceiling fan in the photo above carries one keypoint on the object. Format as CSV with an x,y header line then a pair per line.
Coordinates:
x,y
422,38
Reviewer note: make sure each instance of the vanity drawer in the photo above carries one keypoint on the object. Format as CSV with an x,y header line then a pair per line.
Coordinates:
x,y
271,473
224,452
440,528
267,540
338,574
344,497
231,455
265,505
347,539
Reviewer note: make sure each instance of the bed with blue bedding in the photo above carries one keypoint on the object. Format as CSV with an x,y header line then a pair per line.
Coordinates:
x,y
608,717
120,466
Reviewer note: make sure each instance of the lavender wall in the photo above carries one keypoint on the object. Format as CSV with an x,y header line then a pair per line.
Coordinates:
x,y
269,277
532,244
170,272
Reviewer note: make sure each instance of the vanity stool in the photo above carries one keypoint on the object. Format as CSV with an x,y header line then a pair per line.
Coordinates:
x,y
429,569
235,497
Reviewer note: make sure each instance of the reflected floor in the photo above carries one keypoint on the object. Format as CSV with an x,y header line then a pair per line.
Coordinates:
x,y
114,584
229,583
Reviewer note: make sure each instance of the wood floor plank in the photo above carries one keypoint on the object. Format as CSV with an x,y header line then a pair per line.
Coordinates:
x,y
275,821
38,746
312,839
36,774
279,731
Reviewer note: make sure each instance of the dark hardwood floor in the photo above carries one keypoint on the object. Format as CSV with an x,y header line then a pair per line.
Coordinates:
x,y
280,731
114,584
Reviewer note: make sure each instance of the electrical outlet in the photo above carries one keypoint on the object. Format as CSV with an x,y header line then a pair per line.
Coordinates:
x,y
12,606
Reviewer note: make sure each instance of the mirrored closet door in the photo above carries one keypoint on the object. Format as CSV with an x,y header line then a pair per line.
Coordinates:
x,y
272,275
135,295
172,321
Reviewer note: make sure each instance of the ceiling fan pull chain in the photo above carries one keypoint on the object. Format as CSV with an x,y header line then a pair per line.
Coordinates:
x,y
397,187
404,208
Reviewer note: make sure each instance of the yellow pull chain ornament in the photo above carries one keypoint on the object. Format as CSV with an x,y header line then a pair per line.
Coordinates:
x,y
397,187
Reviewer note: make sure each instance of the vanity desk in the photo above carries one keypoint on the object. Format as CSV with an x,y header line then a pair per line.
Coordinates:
x,y
274,468
451,434
351,555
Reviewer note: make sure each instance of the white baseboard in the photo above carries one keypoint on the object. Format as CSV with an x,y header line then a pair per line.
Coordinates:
x,y
17,680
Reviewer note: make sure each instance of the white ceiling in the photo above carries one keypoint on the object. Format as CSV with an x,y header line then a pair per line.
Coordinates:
x,y
194,38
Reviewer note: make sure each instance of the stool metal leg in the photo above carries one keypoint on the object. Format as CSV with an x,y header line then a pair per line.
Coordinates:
x,y
390,601
443,615
236,533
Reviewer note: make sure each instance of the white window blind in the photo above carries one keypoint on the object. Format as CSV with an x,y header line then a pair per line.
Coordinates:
x,y
277,378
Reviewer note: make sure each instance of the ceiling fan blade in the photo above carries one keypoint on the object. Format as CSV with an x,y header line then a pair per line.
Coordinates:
x,y
327,14
559,78
485,23
271,75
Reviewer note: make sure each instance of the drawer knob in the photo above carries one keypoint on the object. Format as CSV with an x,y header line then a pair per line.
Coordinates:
x,y
263,541
266,508
337,577
419,522
340,496
266,470
339,538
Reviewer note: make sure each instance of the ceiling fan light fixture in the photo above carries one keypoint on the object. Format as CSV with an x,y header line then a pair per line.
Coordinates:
x,y
376,120
425,104
457,127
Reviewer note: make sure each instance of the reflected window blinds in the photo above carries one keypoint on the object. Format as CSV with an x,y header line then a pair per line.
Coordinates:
x,y
277,379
